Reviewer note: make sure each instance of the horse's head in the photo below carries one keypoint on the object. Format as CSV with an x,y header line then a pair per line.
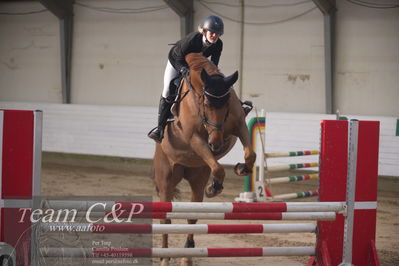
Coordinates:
x,y
216,92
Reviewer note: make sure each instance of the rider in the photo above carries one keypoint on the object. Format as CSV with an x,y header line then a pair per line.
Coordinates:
x,y
205,40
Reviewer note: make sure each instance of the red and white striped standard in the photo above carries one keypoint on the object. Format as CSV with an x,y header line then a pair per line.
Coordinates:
x,y
179,228
176,252
203,207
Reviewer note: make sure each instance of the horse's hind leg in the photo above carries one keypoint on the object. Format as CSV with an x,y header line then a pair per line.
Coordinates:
x,y
166,194
197,178
166,180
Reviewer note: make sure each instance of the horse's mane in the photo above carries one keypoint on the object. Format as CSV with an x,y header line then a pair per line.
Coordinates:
x,y
197,62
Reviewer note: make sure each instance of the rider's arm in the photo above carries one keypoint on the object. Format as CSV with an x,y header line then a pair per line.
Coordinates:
x,y
215,56
181,49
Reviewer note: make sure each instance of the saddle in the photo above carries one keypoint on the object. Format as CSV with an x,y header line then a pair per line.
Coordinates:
x,y
174,96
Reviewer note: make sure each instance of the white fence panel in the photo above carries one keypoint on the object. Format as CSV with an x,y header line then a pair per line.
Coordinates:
x,y
94,129
293,132
389,144
122,131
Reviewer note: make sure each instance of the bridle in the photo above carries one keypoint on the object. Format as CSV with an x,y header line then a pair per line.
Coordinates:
x,y
205,120
201,101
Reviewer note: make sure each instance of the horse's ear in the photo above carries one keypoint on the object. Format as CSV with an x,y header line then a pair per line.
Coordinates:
x,y
230,80
204,76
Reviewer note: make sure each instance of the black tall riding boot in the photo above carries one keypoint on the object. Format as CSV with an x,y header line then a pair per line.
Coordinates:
x,y
163,114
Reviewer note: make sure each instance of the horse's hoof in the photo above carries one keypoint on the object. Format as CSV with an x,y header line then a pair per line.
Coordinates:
x,y
241,169
214,189
186,262
165,262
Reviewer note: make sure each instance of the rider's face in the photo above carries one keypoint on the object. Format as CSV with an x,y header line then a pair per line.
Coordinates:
x,y
211,36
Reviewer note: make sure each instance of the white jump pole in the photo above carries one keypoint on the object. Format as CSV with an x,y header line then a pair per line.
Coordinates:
x,y
176,252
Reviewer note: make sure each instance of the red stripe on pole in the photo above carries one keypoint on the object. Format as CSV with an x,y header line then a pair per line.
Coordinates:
x,y
260,207
142,215
162,207
122,228
236,228
235,252
253,216
121,252
146,206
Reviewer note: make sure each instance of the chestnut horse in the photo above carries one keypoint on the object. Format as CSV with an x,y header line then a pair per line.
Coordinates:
x,y
209,121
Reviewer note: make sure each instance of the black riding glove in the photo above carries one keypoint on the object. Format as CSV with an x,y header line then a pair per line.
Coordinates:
x,y
184,71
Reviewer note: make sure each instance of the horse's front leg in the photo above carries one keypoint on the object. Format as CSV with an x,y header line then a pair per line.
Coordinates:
x,y
249,155
217,171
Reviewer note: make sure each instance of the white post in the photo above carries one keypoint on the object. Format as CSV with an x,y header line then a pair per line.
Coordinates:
x,y
260,163
350,193
37,166
261,153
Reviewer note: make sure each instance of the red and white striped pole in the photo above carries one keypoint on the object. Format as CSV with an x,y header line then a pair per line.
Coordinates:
x,y
200,207
176,252
98,228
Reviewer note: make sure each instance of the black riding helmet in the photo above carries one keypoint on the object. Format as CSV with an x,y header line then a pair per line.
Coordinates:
x,y
213,24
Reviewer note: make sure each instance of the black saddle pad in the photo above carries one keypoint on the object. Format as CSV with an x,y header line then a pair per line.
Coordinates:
x,y
174,87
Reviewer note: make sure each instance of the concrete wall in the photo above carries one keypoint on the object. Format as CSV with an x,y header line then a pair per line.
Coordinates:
x,y
119,59
367,69
283,62
29,55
